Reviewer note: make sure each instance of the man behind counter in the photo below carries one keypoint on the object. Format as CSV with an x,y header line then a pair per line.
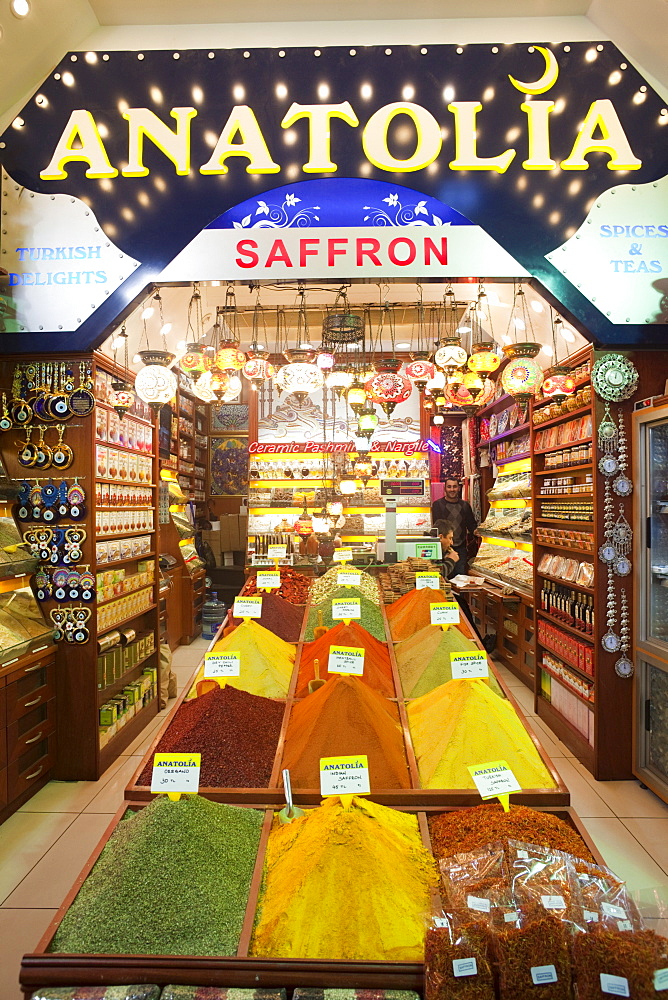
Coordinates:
x,y
458,513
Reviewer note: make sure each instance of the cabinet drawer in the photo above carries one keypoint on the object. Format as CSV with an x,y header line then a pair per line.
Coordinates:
x,y
36,666
34,763
32,690
30,729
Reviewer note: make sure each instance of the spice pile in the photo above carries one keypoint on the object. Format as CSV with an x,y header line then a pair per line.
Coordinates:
x,y
411,612
294,586
319,903
236,733
321,614
325,585
424,659
377,669
173,879
466,830
280,617
398,579
342,718
266,661
464,721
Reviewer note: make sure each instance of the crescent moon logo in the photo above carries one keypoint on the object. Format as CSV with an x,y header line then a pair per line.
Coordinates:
x,y
547,80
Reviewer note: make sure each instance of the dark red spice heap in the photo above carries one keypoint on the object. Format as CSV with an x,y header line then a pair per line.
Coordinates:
x,y
471,940
470,829
294,586
280,617
634,955
236,733
540,942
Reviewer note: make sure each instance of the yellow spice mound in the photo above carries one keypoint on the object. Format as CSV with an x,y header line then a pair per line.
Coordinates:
x,y
266,661
463,722
424,663
345,883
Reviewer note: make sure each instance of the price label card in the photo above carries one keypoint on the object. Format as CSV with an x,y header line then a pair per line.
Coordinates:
x,y
347,609
267,581
464,967
617,986
444,613
222,664
468,665
660,980
424,581
247,607
494,779
277,551
343,555
346,578
344,776
176,772
543,974
346,660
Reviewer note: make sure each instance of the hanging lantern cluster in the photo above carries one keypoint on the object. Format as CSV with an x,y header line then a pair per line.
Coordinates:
x,y
484,359
123,395
558,383
257,368
156,384
388,387
195,360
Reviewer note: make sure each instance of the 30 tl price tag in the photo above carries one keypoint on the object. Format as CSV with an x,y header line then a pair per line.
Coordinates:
x,y
424,581
346,578
468,665
346,660
444,613
495,780
344,776
247,607
347,609
343,555
222,664
268,580
175,773
277,551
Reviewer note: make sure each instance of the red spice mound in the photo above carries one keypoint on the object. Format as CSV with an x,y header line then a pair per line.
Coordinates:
x,y
236,733
634,955
469,829
377,670
343,718
294,586
280,617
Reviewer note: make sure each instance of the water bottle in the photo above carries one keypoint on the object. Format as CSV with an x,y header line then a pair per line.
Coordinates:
x,y
213,616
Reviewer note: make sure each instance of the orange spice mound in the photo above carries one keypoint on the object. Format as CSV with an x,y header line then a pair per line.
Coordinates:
x,y
345,717
377,670
411,612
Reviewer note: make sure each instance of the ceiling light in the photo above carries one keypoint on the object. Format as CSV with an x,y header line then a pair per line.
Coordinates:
x,y
148,312
20,8
403,347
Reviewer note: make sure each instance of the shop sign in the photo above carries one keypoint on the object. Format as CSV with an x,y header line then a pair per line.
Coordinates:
x,y
175,773
344,775
288,447
222,664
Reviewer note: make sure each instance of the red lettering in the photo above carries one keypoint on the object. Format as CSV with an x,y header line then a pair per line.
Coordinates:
x,y
305,252
391,251
278,253
332,250
430,247
368,248
253,258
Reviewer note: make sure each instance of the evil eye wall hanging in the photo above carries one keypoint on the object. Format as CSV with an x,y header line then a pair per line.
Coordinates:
x,y
44,456
82,400
73,585
75,499
62,454
74,539
57,551
5,419
59,578
23,498
43,590
27,455
59,617
62,505
87,585
49,497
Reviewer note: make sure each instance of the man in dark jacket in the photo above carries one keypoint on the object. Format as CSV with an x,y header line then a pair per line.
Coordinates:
x,y
458,513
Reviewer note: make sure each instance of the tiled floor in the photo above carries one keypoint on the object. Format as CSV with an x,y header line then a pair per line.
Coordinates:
x,y
46,843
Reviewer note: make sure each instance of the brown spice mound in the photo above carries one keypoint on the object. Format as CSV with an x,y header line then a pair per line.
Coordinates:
x,y
280,617
469,829
236,733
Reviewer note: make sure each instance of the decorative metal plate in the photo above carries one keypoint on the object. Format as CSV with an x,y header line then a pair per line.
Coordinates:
x,y
614,378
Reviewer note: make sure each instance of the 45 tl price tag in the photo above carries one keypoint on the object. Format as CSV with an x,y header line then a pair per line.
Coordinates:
x,y
222,664
175,773
344,776
495,781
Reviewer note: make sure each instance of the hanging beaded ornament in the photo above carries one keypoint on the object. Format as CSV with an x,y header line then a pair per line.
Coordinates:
x,y
624,666
608,443
610,641
607,552
622,484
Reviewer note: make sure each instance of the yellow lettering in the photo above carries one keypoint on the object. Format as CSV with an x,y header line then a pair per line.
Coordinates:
x,y
174,144
82,129
241,122
319,117
538,124
466,141
613,141
428,144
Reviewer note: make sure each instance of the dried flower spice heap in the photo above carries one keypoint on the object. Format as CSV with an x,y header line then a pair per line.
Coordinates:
x,y
321,614
324,587
377,669
318,903
342,718
236,733
424,659
469,829
411,613
294,586
266,661
279,617
173,879
464,721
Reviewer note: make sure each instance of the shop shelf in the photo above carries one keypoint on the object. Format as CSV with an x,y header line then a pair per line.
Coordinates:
x,y
561,546
563,469
103,694
560,523
100,567
562,418
562,447
566,732
565,684
565,583
513,458
110,751
125,621
123,447
114,536
107,406
525,539
506,434
567,628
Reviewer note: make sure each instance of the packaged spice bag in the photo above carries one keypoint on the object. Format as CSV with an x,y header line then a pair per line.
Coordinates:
x,y
458,957
475,881
622,963
544,881
219,993
97,993
605,899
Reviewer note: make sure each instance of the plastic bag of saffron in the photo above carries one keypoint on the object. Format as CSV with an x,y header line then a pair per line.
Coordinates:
x,y
476,880
605,899
626,963
458,962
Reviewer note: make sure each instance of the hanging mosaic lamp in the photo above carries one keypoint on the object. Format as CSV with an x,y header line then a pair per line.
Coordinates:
x,y
339,378
474,383
192,361
484,360
428,403
218,381
233,390
335,508
363,469
367,422
257,371
558,383
156,384
420,372
347,486
202,388
450,355
438,419
356,397
299,379
325,361
122,397
228,357
522,377
388,388
461,397
456,378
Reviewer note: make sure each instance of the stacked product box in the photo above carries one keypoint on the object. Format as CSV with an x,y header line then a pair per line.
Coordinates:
x,y
124,607
119,710
117,659
119,522
117,582
567,647
122,548
573,709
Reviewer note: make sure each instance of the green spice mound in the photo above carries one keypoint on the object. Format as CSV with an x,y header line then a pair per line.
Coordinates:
x,y
321,614
173,879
